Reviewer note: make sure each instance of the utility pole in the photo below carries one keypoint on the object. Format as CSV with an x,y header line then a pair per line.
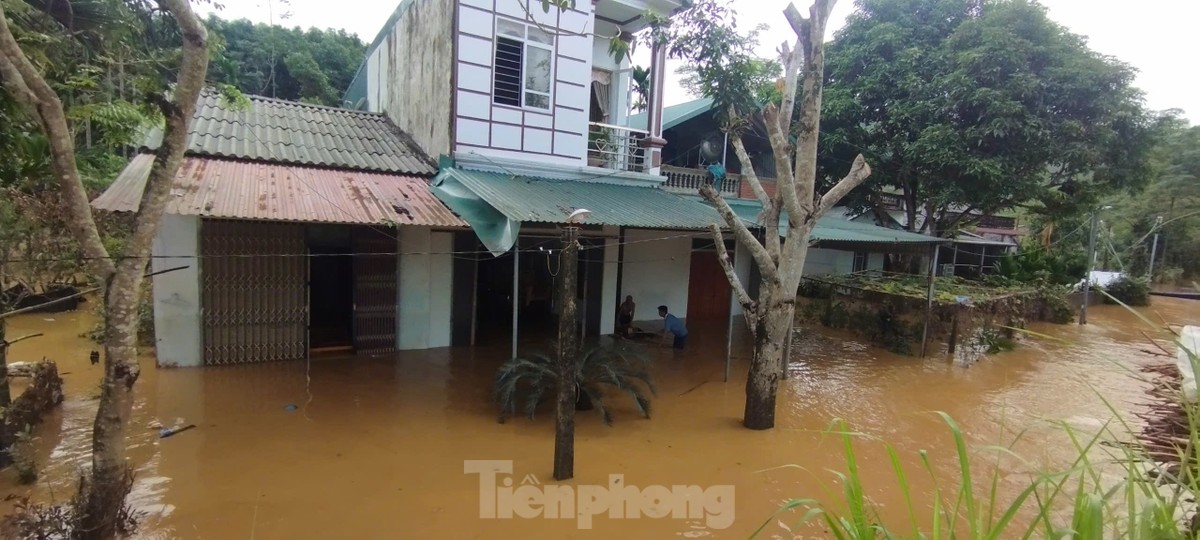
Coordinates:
x,y
1154,249
1087,281
568,347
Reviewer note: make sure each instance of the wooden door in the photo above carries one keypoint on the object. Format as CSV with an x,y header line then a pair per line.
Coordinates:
x,y
708,289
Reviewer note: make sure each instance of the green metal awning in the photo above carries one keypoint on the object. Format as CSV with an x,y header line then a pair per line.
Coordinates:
x,y
496,204
833,229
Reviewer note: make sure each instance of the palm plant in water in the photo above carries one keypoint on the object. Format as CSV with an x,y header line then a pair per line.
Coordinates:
x,y
527,380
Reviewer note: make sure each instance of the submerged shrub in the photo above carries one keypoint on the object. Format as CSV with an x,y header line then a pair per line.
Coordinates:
x,y
1129,291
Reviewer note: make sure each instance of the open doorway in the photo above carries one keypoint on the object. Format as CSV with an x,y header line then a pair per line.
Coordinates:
x,y
331,290
537,292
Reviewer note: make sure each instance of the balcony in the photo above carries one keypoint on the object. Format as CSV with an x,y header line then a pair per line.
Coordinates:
x,y
689,180
617,148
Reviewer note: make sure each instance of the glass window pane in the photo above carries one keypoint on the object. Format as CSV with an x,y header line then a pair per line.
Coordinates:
x,y
540,36
506,27
537,69
537,100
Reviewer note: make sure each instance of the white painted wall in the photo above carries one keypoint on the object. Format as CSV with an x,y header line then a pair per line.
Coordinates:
x,y
608,310
176,299
822,262
423,309
656,270
742,262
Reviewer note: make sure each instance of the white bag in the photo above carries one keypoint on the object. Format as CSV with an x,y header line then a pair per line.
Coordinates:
x,y
1190,341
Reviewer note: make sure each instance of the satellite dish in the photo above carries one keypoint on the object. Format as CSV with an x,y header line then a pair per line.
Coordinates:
x,y
579,216
712,148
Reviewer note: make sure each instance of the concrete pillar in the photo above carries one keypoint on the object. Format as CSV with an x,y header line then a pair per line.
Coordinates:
x,y
176,299
655,142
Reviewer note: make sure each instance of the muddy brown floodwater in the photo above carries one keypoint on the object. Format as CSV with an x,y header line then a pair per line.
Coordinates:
x,y
375,447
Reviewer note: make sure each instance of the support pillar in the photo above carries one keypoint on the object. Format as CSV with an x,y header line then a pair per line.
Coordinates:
x,y
654,142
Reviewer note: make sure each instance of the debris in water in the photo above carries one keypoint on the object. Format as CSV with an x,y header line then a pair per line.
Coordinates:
x,y
94,357
290,408
162,434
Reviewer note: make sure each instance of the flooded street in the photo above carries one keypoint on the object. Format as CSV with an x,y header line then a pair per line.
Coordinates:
x,y
375,447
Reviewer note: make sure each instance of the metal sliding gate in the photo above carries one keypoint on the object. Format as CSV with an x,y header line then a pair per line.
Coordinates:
x,y
254,293
375,299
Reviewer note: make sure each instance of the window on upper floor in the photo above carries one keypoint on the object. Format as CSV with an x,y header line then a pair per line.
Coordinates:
x,y
523,74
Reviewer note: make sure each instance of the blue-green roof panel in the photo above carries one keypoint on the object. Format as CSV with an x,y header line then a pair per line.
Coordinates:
x,y
542,200
835,229
675,114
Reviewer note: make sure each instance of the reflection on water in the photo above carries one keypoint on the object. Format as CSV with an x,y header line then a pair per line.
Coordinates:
x,y
374,447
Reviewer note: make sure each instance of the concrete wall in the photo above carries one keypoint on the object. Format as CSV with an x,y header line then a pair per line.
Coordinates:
x,y
423,307
409,74
655,271
176,299
557,135
822,262
742,261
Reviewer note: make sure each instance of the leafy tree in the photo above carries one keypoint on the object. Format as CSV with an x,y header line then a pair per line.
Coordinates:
x,y
169,44
286,63
980,105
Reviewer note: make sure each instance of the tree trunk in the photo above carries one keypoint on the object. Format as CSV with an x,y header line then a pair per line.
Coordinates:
x,y
108,485
766,368
568,338
5,396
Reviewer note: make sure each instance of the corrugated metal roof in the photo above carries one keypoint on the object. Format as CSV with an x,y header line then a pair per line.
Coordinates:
x,y
540,200
675,114
831,228
220,188
280,131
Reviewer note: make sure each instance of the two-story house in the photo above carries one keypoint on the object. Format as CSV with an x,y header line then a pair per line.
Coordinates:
x,y
528,108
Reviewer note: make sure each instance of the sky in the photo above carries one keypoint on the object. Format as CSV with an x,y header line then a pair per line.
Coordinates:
x,y
1157,37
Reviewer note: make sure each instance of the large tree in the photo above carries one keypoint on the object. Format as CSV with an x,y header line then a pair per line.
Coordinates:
x,y
979,106
705,35
173,95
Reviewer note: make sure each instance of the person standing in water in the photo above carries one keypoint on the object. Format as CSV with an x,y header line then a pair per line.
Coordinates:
x,y
625,316
674,326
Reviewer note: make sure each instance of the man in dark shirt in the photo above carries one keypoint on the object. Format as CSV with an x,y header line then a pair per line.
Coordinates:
x,y
625,317
674,326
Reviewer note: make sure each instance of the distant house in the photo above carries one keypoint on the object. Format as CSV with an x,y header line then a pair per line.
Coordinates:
x,y
267,208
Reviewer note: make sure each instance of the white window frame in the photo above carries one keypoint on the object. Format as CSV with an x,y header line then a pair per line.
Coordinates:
x,y
526,43
865,259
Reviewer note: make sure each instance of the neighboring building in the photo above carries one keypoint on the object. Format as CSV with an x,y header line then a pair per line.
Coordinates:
x,y
842,242
267,209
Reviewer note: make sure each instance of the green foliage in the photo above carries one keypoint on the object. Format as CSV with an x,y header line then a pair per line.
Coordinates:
x,y
719,59
979,104
286,63
994,342
1129,291
617,367
1033,264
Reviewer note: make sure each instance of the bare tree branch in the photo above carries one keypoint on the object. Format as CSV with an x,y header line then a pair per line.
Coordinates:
x,y
770,211
791,58
748,174
50,113
798,209
730,273
858,174
766,265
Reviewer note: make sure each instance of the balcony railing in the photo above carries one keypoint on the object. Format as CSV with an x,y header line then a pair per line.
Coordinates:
x,y
684,179
616,147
